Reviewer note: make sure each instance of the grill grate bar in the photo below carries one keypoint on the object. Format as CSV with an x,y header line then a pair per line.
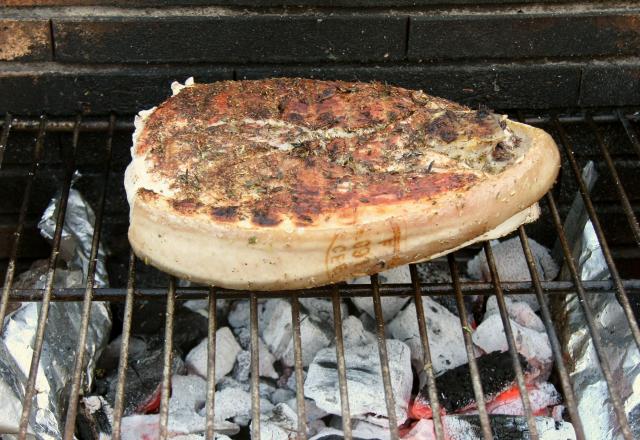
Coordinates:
x,y
426,354
467,289
165,390
255,368
614,392
487,433
511,342
342,368
4,137
118,408
297,359
384,359
211,365
556,349
46,298
72,408
620,290
26,198
622,195
631,134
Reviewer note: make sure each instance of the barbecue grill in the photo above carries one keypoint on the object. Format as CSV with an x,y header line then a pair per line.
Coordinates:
x,y
46,141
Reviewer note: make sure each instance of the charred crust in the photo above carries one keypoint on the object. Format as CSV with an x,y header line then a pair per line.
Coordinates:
x,y
501,153
227,213
186,206
263,218
147,195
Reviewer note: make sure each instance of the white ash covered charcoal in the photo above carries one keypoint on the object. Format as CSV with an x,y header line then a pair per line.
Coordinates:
x,y
235,403
291,380
276,329
188,394
533,345
312,411
364,380
200,437
368,323
201,306
512,265
147,426
391,305
239,313
242,368
503,427
446,341
320,309
227,348
520,311
360,430
283,395
434,272
281,423
354,334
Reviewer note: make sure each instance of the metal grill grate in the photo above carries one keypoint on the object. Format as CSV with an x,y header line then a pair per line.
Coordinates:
x,y
43,126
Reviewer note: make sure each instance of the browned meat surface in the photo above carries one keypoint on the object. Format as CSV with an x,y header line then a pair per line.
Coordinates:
x,y
259,150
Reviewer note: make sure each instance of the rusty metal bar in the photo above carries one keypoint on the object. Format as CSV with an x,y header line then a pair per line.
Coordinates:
x,y
297,356
165,390
426,354
556,348
487,433
511,342
255,367
615,276
211,365
46,298
631,134
342,367
24,207
622,195
467,289
74,395
384,359
118,408
4,137
603,363
67,124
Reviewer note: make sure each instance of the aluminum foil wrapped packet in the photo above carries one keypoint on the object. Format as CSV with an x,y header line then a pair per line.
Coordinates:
x,y
596,411
63,328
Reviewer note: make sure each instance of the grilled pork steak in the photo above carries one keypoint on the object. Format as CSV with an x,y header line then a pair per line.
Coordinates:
x,y
291,183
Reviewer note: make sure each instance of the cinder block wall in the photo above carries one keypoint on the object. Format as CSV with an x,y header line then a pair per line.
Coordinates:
x,y
68,55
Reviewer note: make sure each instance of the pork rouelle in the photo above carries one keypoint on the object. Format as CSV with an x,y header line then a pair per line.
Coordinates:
x,y
292,183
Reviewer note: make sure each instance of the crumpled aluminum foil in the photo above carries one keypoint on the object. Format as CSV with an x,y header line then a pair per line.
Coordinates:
x,y
77,233
63,328
592,395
